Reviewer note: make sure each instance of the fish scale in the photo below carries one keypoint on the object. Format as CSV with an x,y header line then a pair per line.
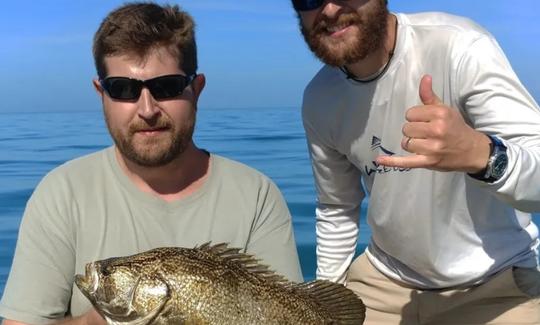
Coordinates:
x,y
210,284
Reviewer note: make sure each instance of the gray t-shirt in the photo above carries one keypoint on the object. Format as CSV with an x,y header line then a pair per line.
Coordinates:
x,y
88,209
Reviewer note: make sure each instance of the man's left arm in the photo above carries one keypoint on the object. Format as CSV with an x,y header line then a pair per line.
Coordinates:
x,y
272,238
494,102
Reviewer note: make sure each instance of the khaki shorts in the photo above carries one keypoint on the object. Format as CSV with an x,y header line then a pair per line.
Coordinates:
x,y
510,297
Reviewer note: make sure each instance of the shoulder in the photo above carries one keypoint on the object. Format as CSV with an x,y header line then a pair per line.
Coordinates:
x,y
75,173
236,171
328,88
83,164
442,37
442,29
242,184
441,21
324,81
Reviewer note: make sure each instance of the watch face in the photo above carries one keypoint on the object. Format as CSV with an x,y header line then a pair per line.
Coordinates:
x,y
499,166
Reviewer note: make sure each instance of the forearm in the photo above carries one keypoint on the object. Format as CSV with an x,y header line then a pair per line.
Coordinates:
x,y
278,250
496,103
73,321
337,233
81,320
92,317
519,185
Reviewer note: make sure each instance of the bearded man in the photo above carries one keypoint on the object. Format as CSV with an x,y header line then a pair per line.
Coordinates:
x,y
153,188
423,115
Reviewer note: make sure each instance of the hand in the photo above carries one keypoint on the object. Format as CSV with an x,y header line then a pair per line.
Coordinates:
x,y
91,317
439,138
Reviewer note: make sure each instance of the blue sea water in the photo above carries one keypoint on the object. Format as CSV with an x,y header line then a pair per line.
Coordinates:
x,y
269,139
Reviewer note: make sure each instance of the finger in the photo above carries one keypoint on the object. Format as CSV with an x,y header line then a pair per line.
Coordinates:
x,y
427,147
405,142
419,130
413,161
421,114
427,95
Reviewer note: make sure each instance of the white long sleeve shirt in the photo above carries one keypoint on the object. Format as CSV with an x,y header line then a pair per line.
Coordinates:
x,y
429,229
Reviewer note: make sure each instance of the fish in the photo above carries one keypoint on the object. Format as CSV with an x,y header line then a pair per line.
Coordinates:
x,y
210,284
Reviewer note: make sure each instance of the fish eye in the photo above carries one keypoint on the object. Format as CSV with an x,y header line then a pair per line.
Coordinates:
x,y
107,270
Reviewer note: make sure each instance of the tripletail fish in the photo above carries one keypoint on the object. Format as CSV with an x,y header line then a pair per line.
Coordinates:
x,y
210,284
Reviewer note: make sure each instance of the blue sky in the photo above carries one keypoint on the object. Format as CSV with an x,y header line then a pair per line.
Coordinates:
x,y
250,50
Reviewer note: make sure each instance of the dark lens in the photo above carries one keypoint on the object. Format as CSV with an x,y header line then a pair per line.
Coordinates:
x,y
167,86
122,88
305,5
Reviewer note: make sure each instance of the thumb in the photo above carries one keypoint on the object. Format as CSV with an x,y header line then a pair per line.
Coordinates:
x,y
427,95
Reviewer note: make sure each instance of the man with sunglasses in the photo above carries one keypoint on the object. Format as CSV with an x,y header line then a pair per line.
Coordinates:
x,y
426,112
153,188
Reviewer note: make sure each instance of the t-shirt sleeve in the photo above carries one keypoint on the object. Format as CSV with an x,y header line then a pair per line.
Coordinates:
x,y
272,238
39,286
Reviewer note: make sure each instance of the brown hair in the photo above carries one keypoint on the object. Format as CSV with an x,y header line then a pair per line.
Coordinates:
x,y
137,28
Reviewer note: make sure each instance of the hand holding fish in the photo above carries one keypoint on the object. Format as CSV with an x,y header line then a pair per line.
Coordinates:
x,y
94,318
91,317
439,138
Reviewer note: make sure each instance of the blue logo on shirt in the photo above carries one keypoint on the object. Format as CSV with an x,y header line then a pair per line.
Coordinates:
x,y
379,169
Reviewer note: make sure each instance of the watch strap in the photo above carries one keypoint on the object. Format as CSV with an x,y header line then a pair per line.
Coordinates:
x,y
496,148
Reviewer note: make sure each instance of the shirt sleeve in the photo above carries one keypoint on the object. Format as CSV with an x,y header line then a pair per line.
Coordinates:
x,y
272,239
339,195
498,104
39,286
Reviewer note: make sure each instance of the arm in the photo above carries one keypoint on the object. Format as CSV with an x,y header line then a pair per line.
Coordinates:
x,y
39,286
497,103
339,194
492,101
272,238
337,233
90,318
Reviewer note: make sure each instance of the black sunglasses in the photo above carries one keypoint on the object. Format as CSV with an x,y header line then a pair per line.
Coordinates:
x,y
306,5
163,87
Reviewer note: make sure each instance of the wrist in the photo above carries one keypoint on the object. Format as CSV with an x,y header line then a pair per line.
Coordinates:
x,y
482,150
497,162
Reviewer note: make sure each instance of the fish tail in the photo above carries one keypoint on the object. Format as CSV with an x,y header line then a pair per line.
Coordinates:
x,y
342,303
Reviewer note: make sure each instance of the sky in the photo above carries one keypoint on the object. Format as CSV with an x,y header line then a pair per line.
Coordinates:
x,y
251,51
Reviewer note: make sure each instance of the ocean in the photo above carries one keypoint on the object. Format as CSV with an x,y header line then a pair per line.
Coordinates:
x,y
268,139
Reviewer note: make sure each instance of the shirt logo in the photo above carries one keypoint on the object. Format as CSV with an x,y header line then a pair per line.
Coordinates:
x,y
379,169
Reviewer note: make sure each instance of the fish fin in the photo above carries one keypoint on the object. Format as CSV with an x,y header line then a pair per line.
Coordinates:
x,y
246,261
342,304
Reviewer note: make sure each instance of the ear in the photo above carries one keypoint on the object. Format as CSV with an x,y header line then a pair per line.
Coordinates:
x,y
97,87
198,85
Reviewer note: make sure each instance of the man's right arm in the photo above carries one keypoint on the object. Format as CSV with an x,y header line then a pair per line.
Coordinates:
x,y
40,281
339,195
90,318
337,236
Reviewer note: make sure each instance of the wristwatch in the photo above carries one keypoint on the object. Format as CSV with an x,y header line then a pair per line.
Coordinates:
x,y
497,162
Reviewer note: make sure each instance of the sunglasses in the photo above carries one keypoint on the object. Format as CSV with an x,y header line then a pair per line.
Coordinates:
x,y
306,5
163,87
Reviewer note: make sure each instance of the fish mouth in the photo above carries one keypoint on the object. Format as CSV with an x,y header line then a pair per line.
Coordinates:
x,y
89,282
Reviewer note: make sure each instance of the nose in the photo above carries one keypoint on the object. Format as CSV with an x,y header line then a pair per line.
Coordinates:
x,y
147,105
330,8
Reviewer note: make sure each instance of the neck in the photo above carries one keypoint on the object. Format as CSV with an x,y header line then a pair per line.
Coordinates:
x,y
378,60
175,180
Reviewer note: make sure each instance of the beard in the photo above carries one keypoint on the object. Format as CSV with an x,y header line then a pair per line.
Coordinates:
x,y
153,151
370,37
